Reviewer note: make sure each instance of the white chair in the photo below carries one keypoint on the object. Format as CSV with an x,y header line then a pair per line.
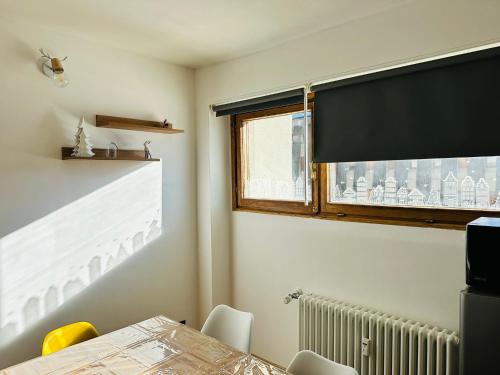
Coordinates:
x,y
230,326
310,363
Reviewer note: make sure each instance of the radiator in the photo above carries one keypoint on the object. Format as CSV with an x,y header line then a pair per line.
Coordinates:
x,y
375,343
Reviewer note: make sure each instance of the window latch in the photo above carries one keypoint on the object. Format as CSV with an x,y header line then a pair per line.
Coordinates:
x,y
312,169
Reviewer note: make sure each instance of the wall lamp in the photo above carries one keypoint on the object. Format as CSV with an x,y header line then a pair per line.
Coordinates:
x,y
52,67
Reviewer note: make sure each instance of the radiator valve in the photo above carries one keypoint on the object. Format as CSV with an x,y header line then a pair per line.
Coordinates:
x,y
365,346
291,296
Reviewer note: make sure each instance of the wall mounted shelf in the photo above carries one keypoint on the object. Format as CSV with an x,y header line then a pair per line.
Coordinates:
x,y
133,124
100,154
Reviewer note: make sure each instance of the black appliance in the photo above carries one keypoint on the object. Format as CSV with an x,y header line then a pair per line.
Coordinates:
x,y
483,254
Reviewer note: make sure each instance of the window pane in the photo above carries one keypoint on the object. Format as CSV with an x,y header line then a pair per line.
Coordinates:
x,y
272,157
470,183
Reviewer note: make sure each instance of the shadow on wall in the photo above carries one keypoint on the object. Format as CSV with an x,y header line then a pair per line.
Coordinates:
x,y
47,262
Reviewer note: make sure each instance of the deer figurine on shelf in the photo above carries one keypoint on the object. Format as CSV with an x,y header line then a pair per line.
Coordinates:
x,y
147,152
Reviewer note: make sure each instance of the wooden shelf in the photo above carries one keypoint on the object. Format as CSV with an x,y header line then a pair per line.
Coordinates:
x,y
100,154
133,124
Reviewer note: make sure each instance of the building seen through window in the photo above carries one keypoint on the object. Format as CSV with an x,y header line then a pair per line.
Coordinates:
x,y
273,157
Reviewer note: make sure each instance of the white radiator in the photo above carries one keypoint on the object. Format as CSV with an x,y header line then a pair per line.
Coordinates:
x,y
375,343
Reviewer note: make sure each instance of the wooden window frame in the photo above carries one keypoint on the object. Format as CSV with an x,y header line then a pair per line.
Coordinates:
x,y
447,218
453,218
266,205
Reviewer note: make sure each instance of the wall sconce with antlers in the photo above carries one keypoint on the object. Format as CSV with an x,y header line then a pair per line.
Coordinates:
x,y
52,67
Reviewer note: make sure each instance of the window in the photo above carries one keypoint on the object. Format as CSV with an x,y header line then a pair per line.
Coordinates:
x,y
468,183
270,161
268,166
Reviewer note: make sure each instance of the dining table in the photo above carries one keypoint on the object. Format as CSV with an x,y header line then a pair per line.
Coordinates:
x,y
155,346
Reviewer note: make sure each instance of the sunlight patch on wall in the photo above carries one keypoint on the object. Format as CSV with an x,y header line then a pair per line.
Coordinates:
x,y
47,262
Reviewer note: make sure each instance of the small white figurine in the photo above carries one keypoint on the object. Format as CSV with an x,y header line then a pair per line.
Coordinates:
x,y
83,148
147,152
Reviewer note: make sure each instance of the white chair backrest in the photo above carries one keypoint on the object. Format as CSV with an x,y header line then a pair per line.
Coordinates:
x,y
230,326
310,363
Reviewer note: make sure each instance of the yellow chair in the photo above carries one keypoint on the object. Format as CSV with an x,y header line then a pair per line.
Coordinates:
x,y
65,336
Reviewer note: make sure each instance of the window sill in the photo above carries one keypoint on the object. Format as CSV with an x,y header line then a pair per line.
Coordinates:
x,y
365,219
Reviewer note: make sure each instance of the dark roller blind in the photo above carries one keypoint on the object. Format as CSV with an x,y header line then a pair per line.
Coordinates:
x,y
263,102
444,108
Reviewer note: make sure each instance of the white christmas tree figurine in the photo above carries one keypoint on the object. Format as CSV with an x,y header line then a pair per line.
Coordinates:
x,y
83,148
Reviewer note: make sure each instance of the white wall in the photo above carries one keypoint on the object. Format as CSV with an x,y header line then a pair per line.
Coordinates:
x,y
36,119
414,272
214,216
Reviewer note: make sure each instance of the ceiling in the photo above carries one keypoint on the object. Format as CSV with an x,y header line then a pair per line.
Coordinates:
x,y
193,32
